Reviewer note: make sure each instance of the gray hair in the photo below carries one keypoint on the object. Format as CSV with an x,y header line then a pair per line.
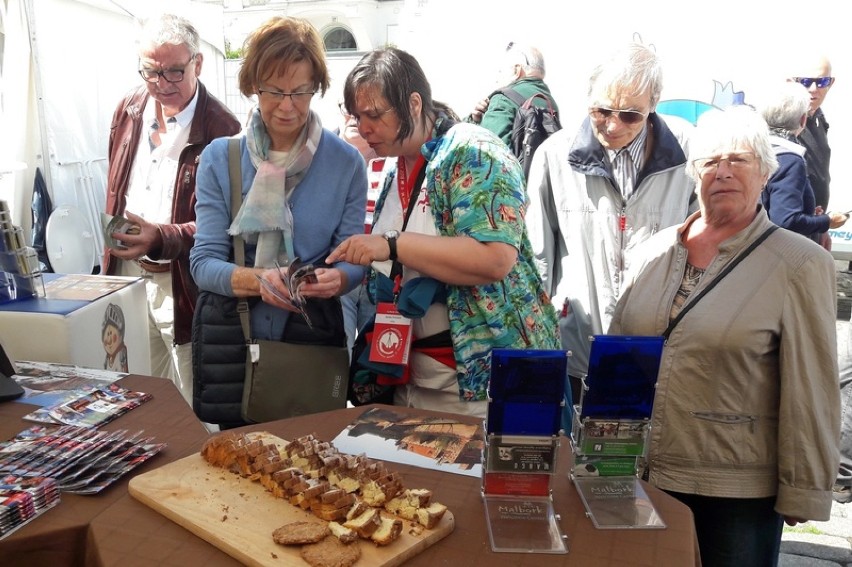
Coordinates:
x,y
169,29
634,68
784,107
528,57
736,126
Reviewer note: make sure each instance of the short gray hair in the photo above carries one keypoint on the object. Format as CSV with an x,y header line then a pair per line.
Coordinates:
x,y
528,57
634,67
738,125
784,107
169,29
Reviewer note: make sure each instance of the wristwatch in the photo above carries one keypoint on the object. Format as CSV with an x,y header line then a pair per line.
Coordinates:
x,y
391,237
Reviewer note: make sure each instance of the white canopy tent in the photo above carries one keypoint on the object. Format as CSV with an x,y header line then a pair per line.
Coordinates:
x,y
66,64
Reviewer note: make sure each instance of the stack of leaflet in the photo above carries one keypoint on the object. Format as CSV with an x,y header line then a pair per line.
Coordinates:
x,y
22,499
525,401
82,460
610,430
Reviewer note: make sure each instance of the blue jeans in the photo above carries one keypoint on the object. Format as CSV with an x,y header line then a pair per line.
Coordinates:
x,y
735,532
844,361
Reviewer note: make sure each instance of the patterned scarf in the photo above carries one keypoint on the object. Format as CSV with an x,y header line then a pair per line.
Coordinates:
x,y
265,216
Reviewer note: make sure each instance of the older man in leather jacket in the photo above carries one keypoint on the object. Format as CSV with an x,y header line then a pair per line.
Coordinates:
x,y
157,135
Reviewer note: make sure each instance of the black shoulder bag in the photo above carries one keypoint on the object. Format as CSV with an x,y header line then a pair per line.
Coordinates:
x,y
239,380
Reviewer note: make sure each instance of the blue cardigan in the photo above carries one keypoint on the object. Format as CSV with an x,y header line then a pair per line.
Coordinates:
x,y
789,198
328,207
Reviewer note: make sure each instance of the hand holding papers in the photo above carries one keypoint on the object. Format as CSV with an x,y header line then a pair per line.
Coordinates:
x,y
117,224
294,278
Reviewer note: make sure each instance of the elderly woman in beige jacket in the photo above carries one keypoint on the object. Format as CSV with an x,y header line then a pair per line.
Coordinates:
x,y
745,425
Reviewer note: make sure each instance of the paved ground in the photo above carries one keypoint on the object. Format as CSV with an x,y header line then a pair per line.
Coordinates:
x,y
824,544
820,544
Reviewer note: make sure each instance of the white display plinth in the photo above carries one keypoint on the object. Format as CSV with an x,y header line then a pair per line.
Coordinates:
x,y
67,327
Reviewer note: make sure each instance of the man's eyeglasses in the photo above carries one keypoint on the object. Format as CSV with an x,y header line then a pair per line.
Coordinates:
x,y
601,113
373,116
735,161
278,96
821,82
170,75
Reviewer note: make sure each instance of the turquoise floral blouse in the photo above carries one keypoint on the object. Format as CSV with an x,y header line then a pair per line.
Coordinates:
x,y
476,189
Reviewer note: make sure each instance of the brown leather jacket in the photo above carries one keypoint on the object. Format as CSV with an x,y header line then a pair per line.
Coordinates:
x,y
212,120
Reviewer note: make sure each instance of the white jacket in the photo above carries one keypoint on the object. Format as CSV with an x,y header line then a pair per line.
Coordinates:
x,y
574,222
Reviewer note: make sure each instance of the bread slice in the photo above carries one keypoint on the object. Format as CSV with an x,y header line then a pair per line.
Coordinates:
x,y
388,531
429,516
341,532
365,524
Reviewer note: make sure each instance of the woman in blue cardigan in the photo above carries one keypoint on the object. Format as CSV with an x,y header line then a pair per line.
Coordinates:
x,y
304,189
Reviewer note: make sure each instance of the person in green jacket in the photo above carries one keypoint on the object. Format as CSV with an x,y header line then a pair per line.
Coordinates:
x,y
523,70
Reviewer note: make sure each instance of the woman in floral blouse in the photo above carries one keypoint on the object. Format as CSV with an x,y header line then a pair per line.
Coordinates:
x,y
457,260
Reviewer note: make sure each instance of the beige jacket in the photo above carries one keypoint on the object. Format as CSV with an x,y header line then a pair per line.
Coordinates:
x,y
747,402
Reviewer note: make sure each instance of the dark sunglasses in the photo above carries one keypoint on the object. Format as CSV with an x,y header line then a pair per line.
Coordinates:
x,y
601,113
821,82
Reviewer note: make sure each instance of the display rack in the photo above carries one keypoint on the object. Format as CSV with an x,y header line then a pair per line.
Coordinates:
x,y
525,402
610,431
20,273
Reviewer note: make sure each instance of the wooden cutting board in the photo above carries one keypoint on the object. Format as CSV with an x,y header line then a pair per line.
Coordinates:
x,y
238,515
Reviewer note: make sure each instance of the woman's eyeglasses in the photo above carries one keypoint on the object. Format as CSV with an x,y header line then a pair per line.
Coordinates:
x,y
821,82
735,161
601,113
278,96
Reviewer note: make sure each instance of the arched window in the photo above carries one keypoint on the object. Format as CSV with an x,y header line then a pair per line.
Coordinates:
x,y
339,39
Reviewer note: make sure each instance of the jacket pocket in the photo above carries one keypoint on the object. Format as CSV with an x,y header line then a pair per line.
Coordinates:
x,y
726,418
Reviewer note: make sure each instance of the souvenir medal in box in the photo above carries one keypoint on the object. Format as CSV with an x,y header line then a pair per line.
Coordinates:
x,y
525,400
618,395
611,428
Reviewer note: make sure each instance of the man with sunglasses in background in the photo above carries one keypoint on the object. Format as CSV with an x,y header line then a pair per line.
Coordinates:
x,y
814,137
157,134
598,191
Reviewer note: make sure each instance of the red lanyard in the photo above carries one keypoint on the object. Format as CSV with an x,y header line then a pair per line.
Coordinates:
x,y
404,185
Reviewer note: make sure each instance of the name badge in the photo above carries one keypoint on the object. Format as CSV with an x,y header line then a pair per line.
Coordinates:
x,y
391,336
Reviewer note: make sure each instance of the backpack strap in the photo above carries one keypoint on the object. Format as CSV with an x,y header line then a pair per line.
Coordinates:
x,y
522,102
512,95
546,100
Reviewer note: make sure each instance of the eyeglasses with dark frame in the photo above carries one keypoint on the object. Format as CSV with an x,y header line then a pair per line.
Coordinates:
x,y
278,96
821,82
736,160
170,75
601,113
